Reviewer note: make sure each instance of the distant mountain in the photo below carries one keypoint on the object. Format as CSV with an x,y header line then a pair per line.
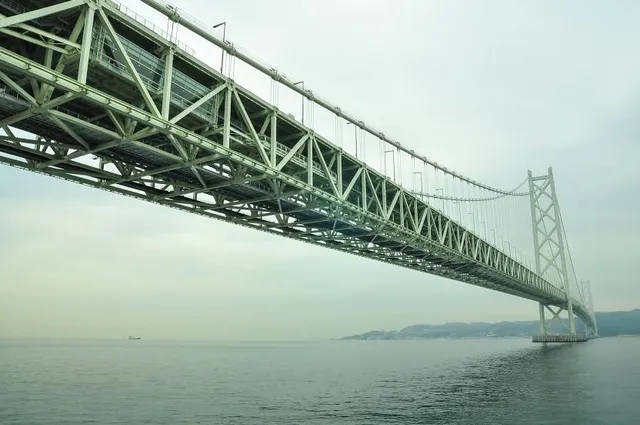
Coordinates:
x,y
609,324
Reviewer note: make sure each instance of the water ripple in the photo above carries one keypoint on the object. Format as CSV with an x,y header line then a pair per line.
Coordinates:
x,y
419,382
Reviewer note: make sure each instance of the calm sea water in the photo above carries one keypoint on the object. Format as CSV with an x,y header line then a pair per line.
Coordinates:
x,y
491,381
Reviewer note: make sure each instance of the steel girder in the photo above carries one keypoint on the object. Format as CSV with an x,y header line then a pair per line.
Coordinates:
x,y
117,107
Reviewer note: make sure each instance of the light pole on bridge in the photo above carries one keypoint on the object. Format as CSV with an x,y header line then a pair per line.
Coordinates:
x,y
393,162
301,84
507,243
473,221
441,194
355,138
459,211
224,40
421,183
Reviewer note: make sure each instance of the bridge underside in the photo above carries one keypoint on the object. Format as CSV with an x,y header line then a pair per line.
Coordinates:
x,y
116,107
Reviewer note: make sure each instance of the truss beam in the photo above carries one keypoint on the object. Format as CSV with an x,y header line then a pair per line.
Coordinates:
x,y
224,154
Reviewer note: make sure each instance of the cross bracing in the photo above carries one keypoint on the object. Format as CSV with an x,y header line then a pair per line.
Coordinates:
x,y
115,106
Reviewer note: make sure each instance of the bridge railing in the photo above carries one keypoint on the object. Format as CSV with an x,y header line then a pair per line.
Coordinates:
x,y
201,29
153,27
152,82
207,32
153,78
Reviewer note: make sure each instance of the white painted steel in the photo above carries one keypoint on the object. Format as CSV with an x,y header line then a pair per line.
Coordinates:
x,y
119,117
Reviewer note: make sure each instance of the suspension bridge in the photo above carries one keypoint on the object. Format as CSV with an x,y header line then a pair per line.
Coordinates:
x,y
93,93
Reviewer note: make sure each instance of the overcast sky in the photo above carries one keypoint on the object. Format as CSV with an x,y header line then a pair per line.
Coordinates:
x,y
487,88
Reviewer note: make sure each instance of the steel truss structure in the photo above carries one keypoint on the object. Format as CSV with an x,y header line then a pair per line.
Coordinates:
x,y
115,106
587,297
551,252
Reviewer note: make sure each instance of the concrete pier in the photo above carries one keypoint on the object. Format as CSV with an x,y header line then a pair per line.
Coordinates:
x,y
559,338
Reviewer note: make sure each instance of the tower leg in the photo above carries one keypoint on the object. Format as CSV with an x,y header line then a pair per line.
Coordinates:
x,y
543,322
572,320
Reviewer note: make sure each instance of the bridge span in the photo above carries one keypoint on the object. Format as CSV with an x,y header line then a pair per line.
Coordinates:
x,y
92,93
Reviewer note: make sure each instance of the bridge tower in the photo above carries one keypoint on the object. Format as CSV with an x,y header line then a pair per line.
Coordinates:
x,y
549,245
588,300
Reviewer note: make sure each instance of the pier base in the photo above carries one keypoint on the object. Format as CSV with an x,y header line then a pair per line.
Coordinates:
x,y
559,338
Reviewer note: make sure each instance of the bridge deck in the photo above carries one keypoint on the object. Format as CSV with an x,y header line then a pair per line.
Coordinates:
x,y
151,121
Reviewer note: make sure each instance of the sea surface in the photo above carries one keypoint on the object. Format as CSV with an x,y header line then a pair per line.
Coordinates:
x,y
475,381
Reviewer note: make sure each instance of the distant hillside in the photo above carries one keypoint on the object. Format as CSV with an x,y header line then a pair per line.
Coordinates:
x,y
609,324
